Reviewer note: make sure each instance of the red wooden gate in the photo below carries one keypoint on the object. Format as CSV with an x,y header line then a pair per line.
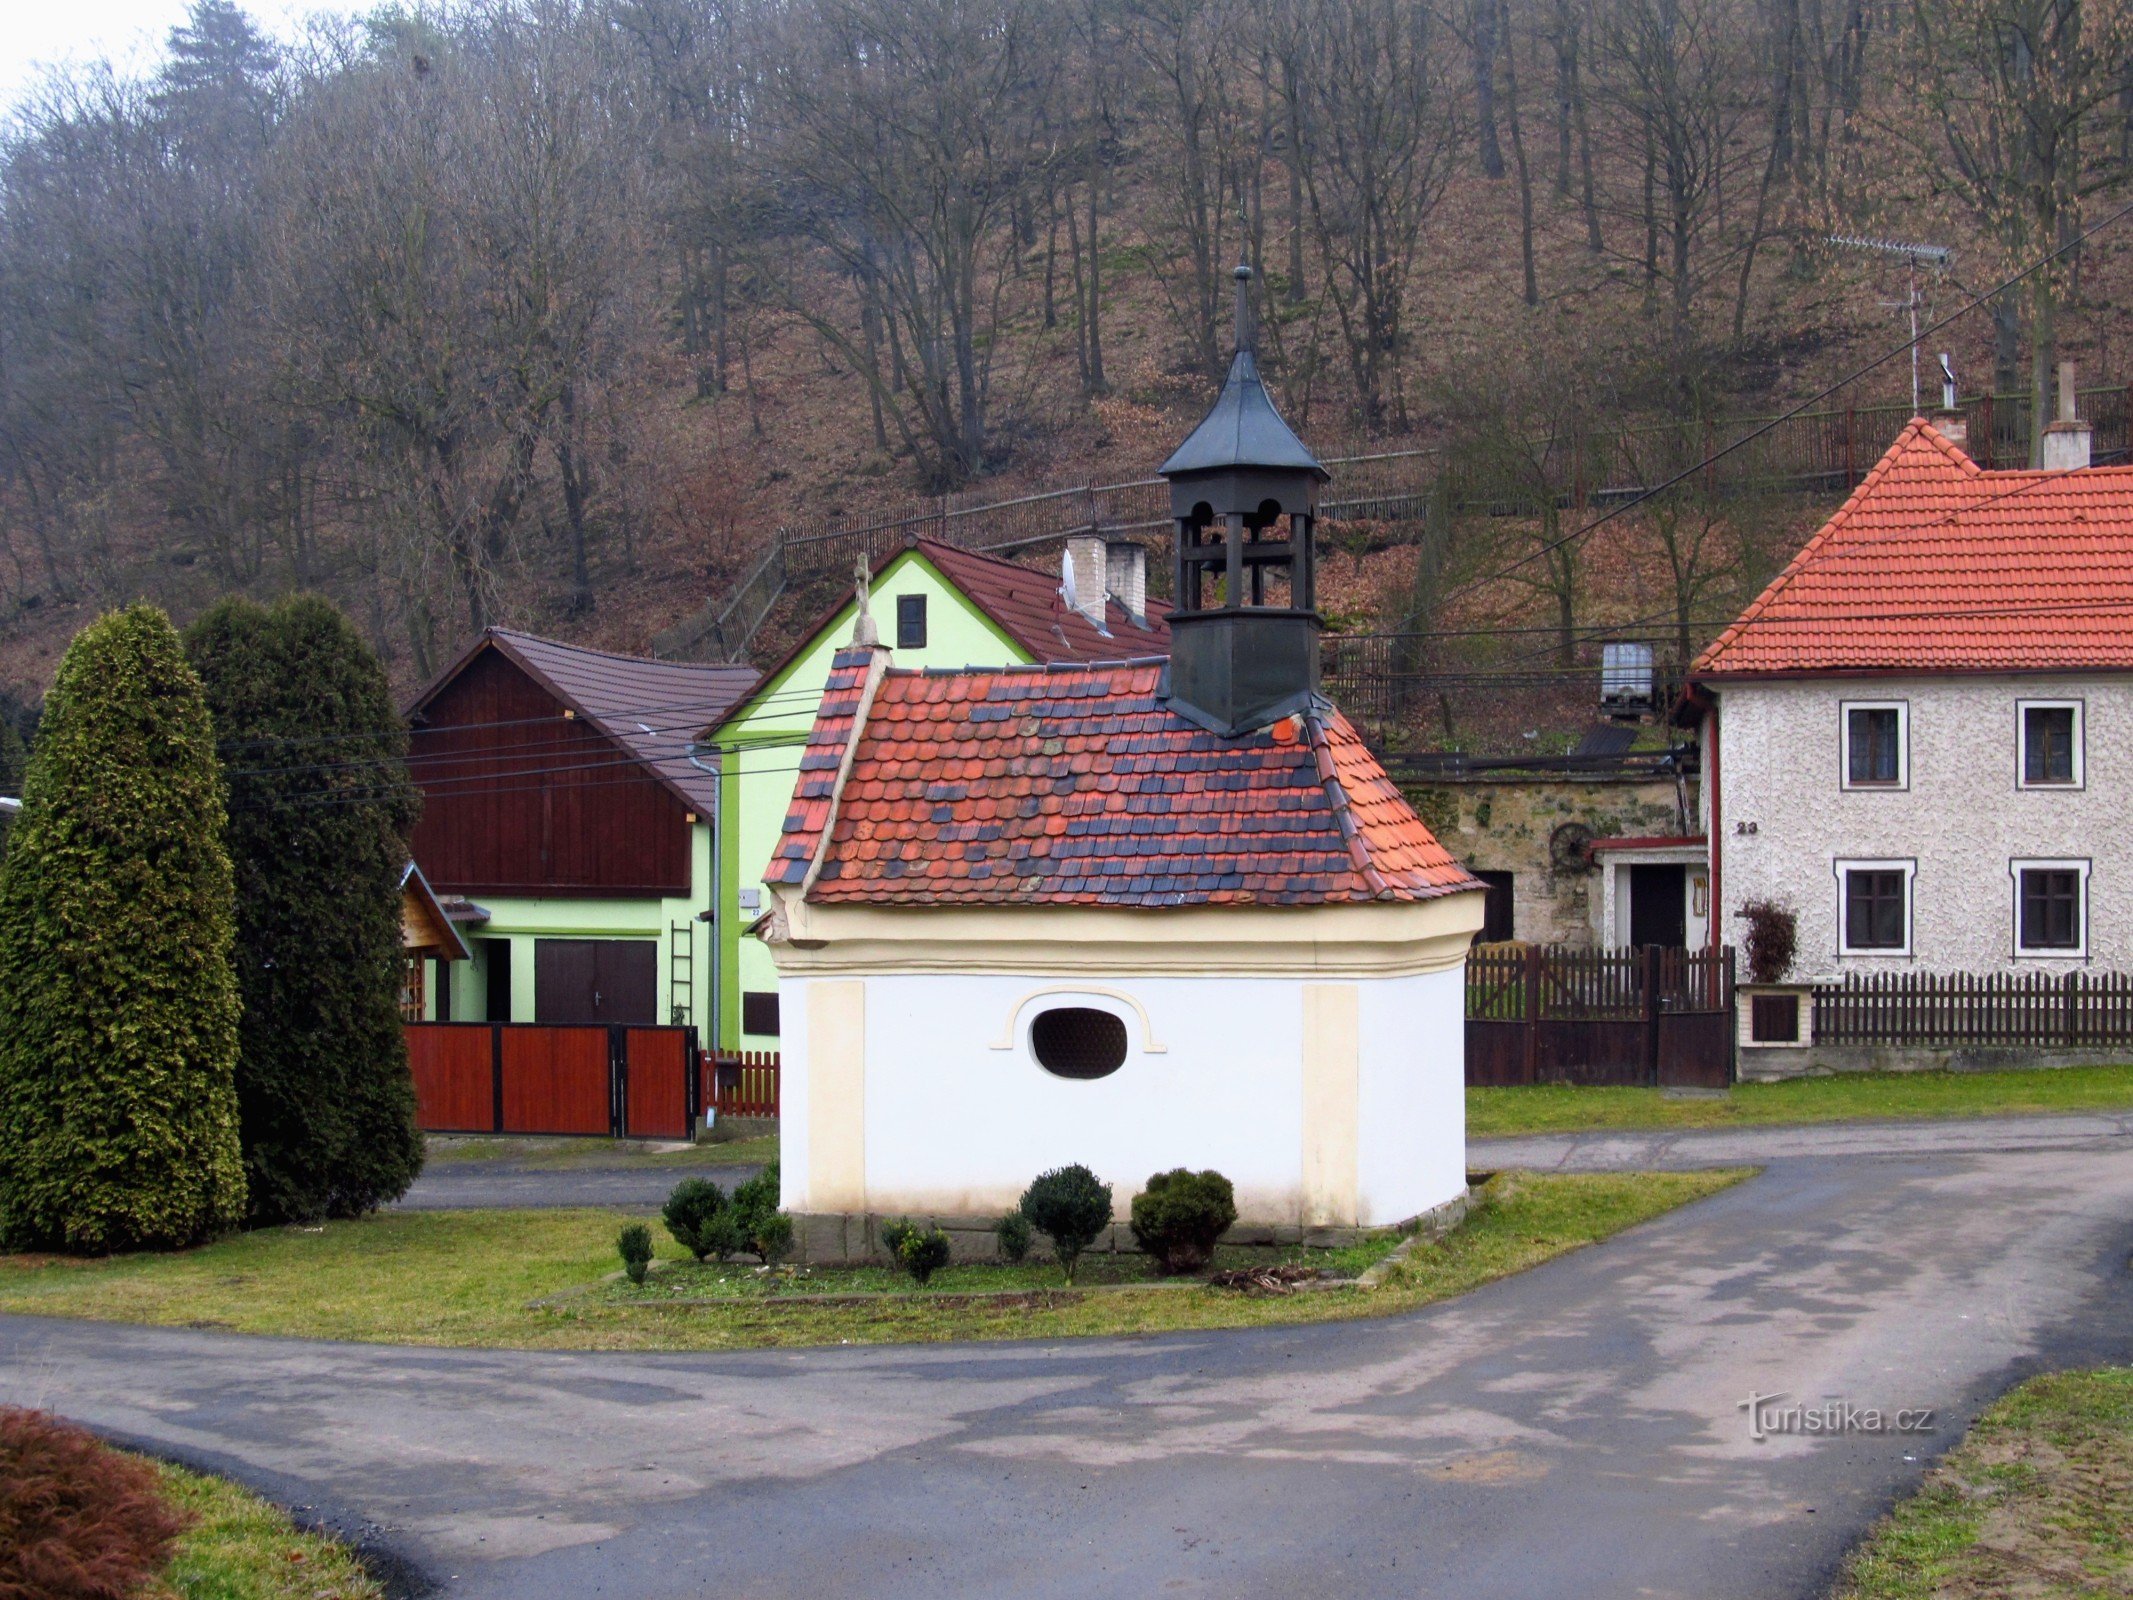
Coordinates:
x,y
554,1078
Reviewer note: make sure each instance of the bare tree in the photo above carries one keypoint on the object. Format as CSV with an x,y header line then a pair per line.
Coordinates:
x,y
2022,95
1379,131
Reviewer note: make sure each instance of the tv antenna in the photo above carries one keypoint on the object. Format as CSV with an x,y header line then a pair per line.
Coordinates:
x,y
1937,256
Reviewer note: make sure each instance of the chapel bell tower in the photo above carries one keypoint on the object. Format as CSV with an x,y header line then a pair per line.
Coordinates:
x,y
1243,496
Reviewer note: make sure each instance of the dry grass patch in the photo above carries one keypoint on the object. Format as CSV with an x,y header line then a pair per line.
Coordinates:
x,y
2036,1504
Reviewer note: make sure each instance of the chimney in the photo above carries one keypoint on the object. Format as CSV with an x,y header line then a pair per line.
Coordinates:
x,y
2067,441
1126,578
1948,421
1082,574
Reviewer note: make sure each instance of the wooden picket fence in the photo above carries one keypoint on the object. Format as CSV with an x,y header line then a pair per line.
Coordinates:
x,y
2060,1010
741,1083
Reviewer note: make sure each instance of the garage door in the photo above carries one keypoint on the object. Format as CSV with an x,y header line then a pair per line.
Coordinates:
x,y
596,980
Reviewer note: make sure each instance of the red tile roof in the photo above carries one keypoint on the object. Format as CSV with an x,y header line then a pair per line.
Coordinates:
x,y
1023,603
1936,565
1030,608
1077,785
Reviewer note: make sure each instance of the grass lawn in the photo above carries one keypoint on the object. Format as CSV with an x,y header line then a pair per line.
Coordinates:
x,y
1844,1097
241,1548
562,1154
464,1278
2036,1502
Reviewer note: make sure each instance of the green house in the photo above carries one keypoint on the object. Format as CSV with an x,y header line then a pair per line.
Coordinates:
x,y
936,606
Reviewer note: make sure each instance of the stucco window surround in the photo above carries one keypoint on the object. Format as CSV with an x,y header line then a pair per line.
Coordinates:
x,y
2028,728
1844,867
1020,1033
1858,722
2079,867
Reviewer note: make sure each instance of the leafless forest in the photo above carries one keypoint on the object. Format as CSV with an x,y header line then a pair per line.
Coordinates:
x,y
549,311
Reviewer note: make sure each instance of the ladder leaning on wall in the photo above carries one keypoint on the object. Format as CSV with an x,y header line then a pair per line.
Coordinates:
x,y
681,973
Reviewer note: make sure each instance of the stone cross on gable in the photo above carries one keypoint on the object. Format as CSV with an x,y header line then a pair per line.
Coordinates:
x,y
863,630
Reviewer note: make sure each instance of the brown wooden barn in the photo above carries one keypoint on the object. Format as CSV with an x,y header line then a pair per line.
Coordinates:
x,y
569,817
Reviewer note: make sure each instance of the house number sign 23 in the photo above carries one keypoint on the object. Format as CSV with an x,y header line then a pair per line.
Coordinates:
x,y
1744,827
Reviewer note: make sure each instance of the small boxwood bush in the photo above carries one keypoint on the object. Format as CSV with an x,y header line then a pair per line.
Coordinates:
x,y
919,1251
755,1223
695,1215
1181,1214
1071,1207
635,1246
78,1521
1013,1232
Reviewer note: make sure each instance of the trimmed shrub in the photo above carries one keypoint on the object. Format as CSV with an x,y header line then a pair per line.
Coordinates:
x,y
1071,1207
922,1251
1181,1214
1773,938
1013,1232
757,1225
118,1007
693,1214
893,1234
634,1245
318,845
78,1520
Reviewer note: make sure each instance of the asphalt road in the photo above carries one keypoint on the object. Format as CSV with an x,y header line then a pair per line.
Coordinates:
x,y
1573,1431
483,1185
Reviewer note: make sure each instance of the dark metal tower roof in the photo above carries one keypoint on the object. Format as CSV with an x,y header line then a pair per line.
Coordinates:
x,y
1243,429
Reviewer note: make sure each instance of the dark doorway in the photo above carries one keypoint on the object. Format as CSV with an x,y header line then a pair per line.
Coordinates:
x,y
1496,919
596,980
1658,905
496,963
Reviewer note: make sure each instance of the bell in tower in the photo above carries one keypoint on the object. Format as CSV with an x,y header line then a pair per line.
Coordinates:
x,y
1243,495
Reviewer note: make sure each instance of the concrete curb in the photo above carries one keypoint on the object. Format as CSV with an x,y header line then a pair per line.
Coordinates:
x,y
1428,1228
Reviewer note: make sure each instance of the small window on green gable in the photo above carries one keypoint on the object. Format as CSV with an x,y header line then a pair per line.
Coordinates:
x,y
910,622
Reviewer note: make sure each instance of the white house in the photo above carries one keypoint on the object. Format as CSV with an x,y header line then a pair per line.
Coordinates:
x,y
1137,914
1920,736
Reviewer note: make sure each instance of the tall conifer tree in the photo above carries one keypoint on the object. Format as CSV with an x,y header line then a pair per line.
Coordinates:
x,y
13,758
118,1008
320,808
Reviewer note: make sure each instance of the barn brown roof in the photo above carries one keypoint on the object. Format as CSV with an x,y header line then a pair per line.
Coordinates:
x,y
652,709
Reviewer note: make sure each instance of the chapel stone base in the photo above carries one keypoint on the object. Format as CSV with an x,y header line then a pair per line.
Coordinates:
x,y
852,1239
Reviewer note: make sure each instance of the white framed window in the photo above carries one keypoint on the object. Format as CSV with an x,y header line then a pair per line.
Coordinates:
x,y
1875,744
2051,907
2049,739
1874,910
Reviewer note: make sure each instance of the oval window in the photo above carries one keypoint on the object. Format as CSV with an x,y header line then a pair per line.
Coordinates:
x,y
1078,1042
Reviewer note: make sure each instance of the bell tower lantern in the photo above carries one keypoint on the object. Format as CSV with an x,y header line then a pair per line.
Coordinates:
x,y
1243,497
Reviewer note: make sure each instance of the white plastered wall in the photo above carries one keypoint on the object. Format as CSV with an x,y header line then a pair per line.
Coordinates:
x,y
1785,818
1325,1100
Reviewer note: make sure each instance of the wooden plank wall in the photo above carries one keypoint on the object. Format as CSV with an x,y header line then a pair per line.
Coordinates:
x,y
517,800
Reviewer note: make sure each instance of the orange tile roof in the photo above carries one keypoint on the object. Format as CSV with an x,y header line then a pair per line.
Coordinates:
x,y
1936,565
1077,785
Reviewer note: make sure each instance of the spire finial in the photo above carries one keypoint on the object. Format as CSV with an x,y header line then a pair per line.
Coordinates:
x,y
863,630
1243,275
